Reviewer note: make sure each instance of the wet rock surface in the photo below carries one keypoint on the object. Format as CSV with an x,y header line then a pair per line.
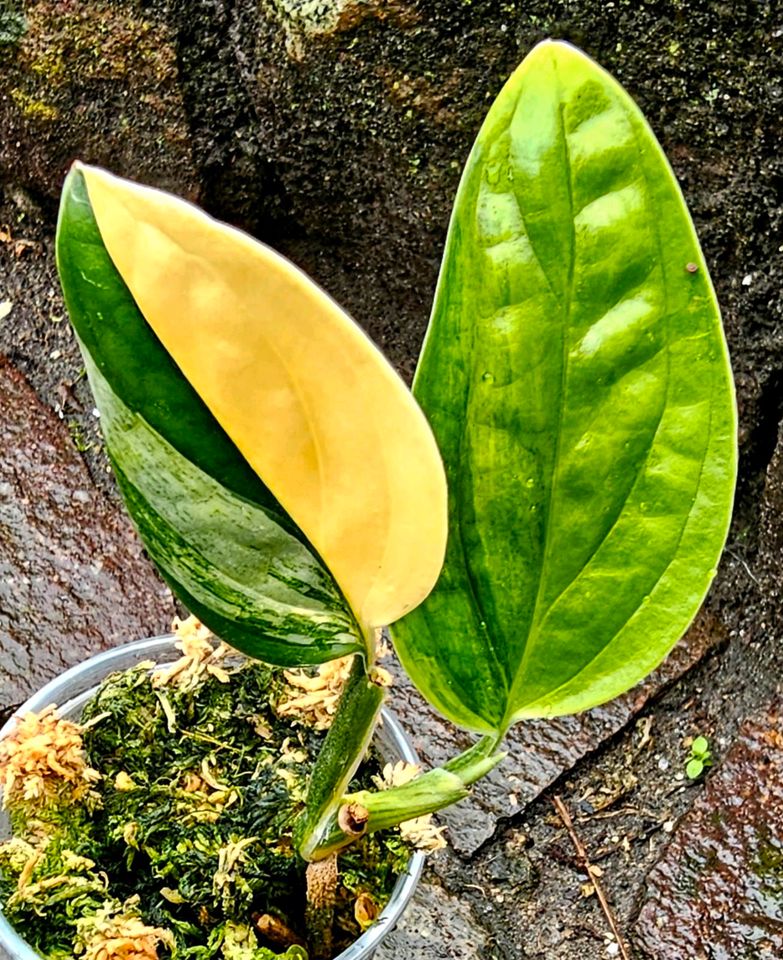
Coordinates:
x,y
91,79
717,892
73,580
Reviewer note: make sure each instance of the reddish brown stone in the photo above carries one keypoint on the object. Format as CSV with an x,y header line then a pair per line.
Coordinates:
x,y
717,892
73,579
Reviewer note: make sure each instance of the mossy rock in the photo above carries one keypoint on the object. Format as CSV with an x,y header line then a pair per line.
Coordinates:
x,y
94,80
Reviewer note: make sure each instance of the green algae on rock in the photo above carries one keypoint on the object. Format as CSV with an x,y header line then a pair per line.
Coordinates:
x,y
56,57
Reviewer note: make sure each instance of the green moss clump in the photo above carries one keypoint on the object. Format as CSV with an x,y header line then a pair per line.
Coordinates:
x,y
186,839
13,24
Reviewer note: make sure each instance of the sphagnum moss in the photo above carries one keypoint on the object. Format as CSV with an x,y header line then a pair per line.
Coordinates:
x,y
162,824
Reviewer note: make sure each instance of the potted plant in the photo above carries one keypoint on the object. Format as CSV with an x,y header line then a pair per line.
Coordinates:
x,y
538,523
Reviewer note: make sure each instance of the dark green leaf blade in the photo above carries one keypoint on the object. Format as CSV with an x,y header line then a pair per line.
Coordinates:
x,y
577,380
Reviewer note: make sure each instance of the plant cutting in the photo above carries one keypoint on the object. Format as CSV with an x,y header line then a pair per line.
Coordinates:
x,y
537,523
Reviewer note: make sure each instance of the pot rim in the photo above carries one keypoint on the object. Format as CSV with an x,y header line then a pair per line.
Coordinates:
x,y
96,668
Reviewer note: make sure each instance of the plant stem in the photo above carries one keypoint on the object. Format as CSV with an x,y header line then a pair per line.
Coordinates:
x,y
427,793
319,913
343,750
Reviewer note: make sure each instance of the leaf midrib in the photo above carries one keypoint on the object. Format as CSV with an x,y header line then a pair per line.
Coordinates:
x,y
566,318
475,592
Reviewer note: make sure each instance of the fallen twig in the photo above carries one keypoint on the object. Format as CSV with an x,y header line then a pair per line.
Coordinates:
x,y
584,863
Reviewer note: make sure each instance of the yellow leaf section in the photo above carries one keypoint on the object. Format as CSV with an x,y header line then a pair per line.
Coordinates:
x,y
311,403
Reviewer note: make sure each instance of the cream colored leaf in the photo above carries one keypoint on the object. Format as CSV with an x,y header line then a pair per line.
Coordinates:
x,y
306,397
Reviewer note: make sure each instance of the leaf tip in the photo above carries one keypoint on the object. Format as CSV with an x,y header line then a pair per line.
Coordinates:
x,y
77,173
75,184
74,171
559,52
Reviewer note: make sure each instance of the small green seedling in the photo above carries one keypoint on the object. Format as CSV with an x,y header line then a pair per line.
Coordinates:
x,y
699,759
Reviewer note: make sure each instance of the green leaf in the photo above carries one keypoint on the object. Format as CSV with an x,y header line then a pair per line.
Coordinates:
x,y
255,584
115,335
307,399
694,769
700,747
219,537
577,379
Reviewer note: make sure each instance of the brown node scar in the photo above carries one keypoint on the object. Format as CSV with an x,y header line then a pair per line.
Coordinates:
x,y
352,819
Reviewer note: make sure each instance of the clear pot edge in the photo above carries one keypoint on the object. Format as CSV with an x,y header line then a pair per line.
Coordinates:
x,y
77,684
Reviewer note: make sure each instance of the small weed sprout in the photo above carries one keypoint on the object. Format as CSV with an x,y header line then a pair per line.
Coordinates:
x,y
699,758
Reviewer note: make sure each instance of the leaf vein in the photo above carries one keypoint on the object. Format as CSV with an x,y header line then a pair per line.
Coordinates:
x,y
561,402
615,520
683,528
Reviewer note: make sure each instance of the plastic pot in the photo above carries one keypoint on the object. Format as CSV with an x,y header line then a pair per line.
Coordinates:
x,y
72,689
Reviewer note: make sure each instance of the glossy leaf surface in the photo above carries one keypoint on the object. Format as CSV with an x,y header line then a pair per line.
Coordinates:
x,y
306,398
577,379
219,537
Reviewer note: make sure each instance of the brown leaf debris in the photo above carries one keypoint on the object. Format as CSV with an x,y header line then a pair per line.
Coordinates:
x,y
109,935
